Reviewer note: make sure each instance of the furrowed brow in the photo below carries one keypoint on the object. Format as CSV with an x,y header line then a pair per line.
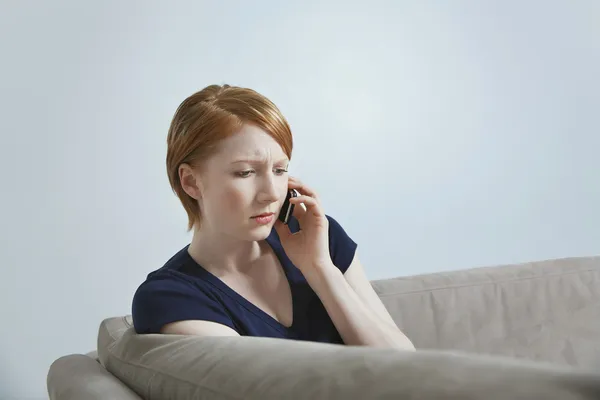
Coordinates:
x,y
258,161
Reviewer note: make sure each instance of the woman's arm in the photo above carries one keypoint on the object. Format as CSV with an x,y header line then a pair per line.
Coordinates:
x,y
355,309
352,305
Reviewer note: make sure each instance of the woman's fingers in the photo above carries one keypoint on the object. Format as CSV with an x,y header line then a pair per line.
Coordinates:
x,y
312,205
295,183
307,202
299,209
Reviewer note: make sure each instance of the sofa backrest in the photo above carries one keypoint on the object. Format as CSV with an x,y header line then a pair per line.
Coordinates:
x,y
545,311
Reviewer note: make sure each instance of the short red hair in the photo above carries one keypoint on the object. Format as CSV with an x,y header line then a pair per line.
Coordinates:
x,y
209,116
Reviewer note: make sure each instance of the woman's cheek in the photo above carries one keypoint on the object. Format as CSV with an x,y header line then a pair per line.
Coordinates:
x,y
235,200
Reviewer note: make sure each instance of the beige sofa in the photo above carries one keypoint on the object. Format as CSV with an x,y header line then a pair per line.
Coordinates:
x,y
528,331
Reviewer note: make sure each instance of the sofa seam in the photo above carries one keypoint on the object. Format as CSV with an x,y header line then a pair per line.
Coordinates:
x,y
112,332
171,376
485,283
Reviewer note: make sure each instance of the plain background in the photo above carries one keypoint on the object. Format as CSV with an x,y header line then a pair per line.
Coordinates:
x,y
442,135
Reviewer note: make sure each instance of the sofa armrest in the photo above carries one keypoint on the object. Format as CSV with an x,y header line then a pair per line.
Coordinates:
x,y
77,376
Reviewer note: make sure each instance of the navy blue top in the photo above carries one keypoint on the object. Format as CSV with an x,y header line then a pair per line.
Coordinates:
x,y
183,290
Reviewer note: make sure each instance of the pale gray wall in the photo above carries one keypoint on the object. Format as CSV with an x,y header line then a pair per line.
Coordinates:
x,y
442,135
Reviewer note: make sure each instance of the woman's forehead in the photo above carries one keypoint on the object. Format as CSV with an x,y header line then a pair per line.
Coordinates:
x,y
251,144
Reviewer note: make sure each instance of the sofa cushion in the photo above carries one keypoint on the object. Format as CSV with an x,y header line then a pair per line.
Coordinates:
x,y
191,367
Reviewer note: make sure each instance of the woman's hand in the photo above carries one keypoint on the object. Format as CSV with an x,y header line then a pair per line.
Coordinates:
x,y
308,249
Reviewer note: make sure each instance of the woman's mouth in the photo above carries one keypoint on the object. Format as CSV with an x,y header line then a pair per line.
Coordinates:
x,y
264,218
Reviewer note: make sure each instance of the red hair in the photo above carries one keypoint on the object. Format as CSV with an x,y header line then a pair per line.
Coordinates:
x,y
209,116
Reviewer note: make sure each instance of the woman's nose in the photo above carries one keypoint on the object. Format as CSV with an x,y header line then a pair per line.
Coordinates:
x,y
268,191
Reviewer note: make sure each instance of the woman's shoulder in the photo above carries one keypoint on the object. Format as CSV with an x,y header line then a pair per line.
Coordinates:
x,y
171,270
170,279
169,294
336,229
342,247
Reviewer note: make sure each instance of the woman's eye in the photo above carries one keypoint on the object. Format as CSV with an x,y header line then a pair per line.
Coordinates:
x,y
244,174
248,172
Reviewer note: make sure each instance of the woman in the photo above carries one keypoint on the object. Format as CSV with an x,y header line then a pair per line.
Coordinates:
x,y
245,272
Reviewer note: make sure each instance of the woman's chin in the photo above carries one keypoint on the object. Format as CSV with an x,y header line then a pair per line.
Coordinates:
x,y
260,232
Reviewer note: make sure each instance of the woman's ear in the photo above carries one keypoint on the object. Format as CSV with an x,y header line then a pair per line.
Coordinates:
x,y
190,181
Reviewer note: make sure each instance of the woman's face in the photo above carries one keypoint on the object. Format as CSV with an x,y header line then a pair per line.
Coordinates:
x,y
247,177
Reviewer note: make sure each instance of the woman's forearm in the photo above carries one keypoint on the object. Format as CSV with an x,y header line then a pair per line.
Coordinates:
x,y
356,323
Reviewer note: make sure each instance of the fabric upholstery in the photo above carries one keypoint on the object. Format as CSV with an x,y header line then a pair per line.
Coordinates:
x,y
79,377
546,310
184,367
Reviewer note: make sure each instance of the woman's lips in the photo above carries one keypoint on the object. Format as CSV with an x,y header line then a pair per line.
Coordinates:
x,y
264,218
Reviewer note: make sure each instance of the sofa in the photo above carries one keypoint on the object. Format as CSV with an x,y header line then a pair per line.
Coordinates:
x,y
523,331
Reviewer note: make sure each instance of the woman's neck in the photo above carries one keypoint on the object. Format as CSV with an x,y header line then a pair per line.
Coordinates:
x,y
220,253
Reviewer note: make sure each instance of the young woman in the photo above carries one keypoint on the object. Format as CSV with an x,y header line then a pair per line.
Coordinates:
x,y
245,272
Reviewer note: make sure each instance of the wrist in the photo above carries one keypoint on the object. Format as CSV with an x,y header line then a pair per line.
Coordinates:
x,y
322,275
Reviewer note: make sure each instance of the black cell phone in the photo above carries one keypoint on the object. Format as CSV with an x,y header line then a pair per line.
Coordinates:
x,y
288,208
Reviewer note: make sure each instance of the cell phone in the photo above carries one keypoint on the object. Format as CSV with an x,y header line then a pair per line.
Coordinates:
x,y
288,208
